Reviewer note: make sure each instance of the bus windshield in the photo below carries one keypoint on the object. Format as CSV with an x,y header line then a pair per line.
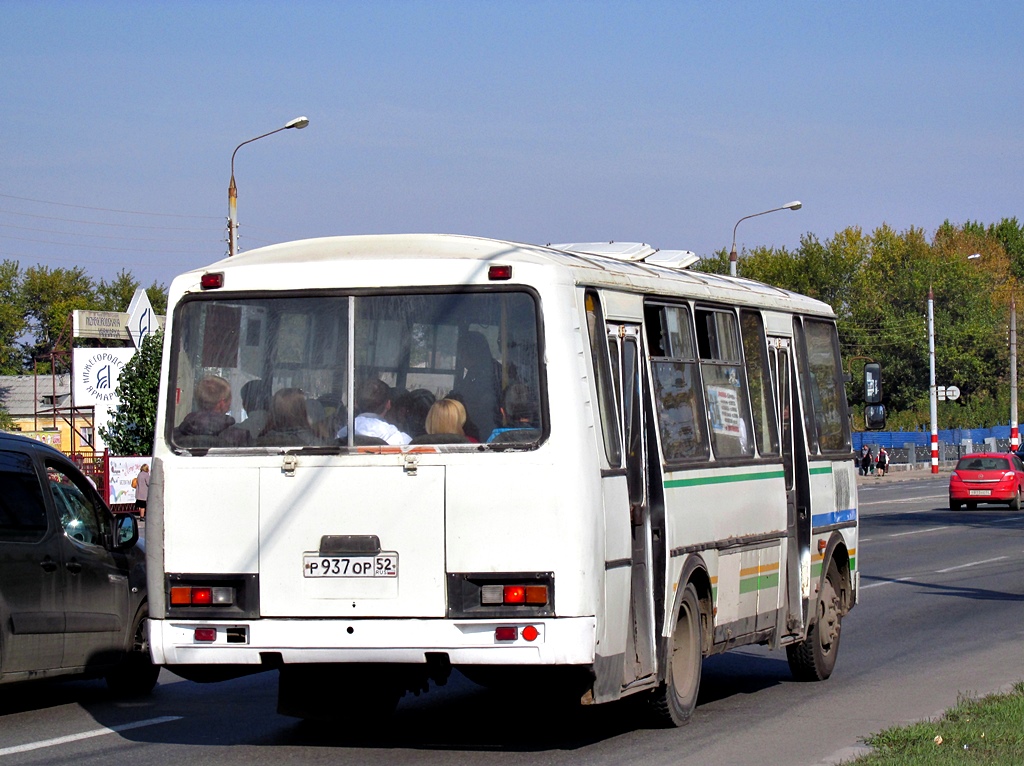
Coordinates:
x,y
356,370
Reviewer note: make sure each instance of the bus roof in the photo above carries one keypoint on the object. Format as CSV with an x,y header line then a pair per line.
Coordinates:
x,y
414,260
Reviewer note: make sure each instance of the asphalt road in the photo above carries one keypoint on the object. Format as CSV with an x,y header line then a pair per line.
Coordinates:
x,y
940,616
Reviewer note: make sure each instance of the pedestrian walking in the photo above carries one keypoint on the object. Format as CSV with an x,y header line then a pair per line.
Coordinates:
x,y
141,484
882,463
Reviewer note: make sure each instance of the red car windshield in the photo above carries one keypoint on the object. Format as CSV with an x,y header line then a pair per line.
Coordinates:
x,y
983,464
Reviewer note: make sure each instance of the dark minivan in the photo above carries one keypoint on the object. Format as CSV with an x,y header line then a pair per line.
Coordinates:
x,y
72,576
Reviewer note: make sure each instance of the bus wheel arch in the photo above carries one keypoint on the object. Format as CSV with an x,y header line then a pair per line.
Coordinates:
x,y
674,700
814,658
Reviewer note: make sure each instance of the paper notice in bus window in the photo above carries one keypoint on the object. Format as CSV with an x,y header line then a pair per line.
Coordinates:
x,y
724,410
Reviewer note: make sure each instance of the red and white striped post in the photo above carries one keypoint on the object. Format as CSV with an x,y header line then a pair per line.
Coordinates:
x,y
1014,433
933,399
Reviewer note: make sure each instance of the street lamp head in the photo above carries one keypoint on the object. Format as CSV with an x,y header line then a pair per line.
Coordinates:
x,y
298,123
794,205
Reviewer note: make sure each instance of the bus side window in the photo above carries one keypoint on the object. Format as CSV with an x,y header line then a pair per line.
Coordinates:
x,y
762,402
677,391
603,380
823,393
721,366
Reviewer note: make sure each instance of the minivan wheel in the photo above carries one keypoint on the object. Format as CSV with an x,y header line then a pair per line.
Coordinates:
x,y
136,675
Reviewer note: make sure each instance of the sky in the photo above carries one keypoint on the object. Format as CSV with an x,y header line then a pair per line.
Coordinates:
x,y
658,122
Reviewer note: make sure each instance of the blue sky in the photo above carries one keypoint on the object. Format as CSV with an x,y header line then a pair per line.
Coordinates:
x,y
531,121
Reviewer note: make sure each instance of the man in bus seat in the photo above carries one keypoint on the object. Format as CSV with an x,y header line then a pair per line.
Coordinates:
x,y
519,411
256,403
210,425
478,383
373,402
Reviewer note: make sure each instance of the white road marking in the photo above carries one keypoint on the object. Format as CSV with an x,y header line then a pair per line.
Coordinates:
x,y
947,570
914,499
885,582
971,564
917,531
87,735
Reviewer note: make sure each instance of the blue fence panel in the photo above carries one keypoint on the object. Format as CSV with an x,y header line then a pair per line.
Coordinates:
x,y
897,439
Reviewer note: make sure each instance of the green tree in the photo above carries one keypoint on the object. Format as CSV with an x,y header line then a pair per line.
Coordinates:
x,y
50,295
132,424
12,318
6,421
116,294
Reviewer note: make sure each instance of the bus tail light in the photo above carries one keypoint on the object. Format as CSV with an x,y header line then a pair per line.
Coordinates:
x,y
185,595
513,633
212,280
498,273
205,634
495,595
519,595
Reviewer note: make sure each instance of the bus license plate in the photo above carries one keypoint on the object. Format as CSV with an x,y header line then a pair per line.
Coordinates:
x,y
983,492
384,564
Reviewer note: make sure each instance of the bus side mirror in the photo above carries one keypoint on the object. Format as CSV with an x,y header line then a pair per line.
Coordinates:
x,y
874,417
872,383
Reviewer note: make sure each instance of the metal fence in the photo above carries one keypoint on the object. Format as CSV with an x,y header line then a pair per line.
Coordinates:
x,y
912,449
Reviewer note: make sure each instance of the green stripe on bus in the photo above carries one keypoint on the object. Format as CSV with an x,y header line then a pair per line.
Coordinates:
x,y
853,563
726,479
750,584
816,570
821,469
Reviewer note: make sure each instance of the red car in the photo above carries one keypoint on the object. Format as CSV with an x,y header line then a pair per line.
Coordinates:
x,y
987,477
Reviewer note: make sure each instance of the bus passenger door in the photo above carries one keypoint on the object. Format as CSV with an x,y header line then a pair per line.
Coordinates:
x,y
798,513
624,344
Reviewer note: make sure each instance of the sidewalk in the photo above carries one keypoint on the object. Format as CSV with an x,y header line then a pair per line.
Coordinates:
x,y
902,472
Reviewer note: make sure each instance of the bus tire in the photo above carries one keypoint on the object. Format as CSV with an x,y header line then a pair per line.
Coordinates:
x,y
814,658
673,703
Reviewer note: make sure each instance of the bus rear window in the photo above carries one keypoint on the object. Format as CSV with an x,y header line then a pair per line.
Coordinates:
x,y
457,368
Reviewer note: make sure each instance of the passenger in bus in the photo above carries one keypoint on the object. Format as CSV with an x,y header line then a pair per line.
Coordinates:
x,y
478,383
373,399
519,412
288,424
410,409
210,425
255,403
447,417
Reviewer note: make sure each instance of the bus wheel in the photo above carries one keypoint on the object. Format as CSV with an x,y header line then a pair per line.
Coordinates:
x,y
358,697
674,701
814,658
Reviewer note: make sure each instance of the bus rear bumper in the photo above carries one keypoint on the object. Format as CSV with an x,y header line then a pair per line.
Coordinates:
x,y
561,641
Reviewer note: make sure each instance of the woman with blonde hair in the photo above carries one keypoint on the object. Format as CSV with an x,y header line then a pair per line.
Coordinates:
x,y
446,416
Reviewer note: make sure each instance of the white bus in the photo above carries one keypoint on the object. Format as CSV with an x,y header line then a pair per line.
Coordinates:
x,y
655,466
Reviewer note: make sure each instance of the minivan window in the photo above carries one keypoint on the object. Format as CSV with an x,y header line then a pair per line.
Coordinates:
x,y
22,509
76,506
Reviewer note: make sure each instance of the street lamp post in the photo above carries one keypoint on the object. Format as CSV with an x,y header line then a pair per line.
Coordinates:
x,y
298,123
795,205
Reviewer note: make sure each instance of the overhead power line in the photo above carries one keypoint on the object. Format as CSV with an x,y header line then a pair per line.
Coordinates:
x,y
109,210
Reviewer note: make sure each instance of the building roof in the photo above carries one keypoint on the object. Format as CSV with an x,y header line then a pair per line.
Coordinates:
x,y
25,395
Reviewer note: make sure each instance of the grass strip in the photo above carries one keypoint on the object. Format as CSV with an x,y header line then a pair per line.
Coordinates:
x,y
987,730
